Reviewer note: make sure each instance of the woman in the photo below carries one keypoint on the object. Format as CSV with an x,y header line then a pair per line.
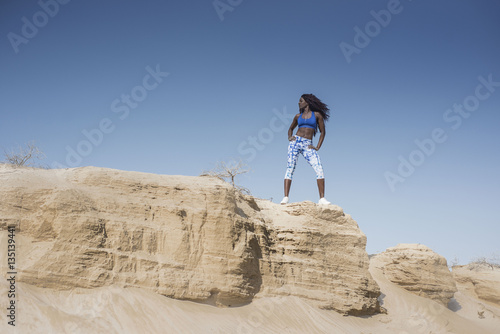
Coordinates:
x,y
313,114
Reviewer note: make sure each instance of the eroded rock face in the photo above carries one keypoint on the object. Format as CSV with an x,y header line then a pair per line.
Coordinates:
x,y
480,280
419,270
184,237
316,253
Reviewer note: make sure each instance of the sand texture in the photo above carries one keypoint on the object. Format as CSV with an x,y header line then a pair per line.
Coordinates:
x,y
107,251
418,269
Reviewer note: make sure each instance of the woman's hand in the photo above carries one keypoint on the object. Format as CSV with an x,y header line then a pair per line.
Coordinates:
x,y
291,138
313,147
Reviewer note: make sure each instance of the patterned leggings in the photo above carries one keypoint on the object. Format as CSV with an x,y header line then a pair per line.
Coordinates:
x,y
299,145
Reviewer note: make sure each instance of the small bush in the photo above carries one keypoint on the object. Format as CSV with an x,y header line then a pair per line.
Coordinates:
x,y
28,155
227,171
483,262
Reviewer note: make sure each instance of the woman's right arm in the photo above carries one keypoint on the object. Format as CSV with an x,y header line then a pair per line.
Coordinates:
x,y
292,126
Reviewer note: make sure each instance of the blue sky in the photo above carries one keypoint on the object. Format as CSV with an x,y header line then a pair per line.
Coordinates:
x,y
172,87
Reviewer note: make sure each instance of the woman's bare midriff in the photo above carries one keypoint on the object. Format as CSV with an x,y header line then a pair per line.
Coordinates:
x,y
305,132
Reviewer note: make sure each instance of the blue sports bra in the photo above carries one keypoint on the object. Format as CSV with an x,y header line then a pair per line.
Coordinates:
x,y
309,123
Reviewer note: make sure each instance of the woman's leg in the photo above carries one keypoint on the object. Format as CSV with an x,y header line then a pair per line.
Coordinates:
x,y
313,159
294,147
288,183
293,153
321,187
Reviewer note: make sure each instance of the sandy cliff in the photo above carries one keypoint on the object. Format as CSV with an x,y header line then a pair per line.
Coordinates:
x,y
189,238
419,270
97,251
479,280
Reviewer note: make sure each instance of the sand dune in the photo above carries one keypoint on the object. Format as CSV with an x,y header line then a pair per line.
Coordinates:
x,y
134,310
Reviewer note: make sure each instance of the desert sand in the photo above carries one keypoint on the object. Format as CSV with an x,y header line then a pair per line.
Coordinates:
x,y
107,251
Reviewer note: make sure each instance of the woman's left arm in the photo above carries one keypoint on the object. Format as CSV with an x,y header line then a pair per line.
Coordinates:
x,y
321,125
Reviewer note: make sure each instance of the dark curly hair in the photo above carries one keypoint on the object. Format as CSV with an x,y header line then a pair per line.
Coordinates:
x,y
315,104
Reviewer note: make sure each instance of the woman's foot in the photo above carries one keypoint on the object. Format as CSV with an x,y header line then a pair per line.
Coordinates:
x,y
323,200
284,200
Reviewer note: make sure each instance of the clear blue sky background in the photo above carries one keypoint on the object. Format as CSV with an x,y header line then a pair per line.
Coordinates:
x,y
228,79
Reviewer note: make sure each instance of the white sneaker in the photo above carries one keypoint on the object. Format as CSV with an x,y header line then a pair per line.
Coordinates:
x,y
323,200
284,200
